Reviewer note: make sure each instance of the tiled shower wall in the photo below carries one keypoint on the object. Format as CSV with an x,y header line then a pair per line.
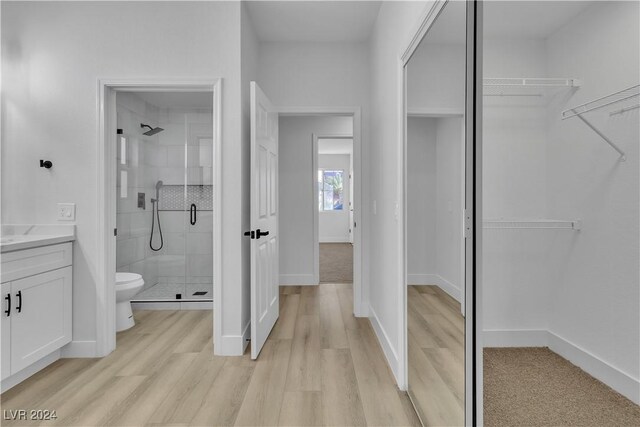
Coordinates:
x,y
136,173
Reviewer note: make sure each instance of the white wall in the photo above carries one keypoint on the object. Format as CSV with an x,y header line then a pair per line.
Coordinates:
x,y
421,200
334,225
52,56
297,191
449,205
391,35
577,292
596,302
436,76
516,273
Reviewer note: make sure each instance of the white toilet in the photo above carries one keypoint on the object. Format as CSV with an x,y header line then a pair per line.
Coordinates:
x,y
127,286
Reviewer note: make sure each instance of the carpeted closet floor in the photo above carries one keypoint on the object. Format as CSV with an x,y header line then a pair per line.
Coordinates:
x,y
536,387
336,263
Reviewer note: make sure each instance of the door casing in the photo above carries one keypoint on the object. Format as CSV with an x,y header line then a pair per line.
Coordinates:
x,y
106,198
360,239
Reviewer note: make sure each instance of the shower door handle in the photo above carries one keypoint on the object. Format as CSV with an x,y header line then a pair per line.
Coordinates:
x,y
193,214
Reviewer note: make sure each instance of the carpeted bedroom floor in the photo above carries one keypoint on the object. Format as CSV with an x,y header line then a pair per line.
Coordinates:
x,y
336,263
537,387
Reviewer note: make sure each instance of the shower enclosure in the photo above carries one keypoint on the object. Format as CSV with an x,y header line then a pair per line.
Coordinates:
x,y
171,197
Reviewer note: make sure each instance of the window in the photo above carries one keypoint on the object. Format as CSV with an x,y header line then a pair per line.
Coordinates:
x,y
330,190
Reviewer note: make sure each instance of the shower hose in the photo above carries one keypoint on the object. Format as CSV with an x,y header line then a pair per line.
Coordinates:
x,y
155,214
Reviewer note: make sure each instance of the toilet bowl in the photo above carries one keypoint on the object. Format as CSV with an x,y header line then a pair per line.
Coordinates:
x,y
127,286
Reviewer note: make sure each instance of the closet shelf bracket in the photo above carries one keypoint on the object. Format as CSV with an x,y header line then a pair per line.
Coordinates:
x,y
625,95
603,136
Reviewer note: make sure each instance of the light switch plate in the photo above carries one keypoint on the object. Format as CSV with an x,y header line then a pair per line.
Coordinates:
x,y
66,211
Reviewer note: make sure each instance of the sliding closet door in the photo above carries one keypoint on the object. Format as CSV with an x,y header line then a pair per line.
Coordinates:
x,y
473,219
441,171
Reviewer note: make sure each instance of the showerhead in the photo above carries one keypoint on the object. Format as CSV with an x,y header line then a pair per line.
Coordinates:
x,y
152,131
159,185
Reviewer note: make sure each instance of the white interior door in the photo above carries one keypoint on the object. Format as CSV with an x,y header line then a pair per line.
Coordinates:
x,y
264,219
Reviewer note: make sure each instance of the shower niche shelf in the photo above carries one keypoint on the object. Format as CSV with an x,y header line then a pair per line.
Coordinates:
x,y
180,197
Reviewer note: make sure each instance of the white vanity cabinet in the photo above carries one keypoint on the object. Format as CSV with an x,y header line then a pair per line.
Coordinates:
x,y
36,304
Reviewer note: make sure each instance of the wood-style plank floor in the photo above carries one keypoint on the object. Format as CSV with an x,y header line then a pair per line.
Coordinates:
x,y
436,356
320,366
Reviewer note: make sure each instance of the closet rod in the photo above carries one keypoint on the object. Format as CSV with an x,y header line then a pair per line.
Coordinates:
x,y
605,101
532,224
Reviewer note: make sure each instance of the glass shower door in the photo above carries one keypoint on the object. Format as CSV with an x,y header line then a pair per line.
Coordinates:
x,y
199,208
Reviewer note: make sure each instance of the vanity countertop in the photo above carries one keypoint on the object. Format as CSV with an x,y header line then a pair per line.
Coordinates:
x,y
15,237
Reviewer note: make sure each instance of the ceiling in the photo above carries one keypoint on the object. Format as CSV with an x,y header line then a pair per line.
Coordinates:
x,y
179,100
313,21
335,146
522,19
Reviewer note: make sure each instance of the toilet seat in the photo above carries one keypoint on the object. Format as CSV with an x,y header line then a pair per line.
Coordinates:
x,y
128,281
124,278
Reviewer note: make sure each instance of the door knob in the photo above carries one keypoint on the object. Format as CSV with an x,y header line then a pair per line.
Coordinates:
x,y
261,233
251,234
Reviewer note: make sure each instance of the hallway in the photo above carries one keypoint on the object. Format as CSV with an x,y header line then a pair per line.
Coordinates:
x,y
320,366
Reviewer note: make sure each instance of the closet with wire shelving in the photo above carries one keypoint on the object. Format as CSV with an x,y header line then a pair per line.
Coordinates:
x,y
561,206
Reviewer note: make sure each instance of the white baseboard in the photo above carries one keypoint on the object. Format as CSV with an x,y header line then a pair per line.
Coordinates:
x,y
297,279
515,338
387,348
335,239
30,370
421,279
435,279
233,345
620,381
79,349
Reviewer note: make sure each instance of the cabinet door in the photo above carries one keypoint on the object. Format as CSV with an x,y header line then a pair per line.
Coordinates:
x,y
41,319
5,321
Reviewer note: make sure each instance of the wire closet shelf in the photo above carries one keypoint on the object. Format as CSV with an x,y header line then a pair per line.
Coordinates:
x,y
532,224
627,99
525,86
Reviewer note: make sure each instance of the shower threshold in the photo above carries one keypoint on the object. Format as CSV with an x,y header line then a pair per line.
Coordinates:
x,y
176,293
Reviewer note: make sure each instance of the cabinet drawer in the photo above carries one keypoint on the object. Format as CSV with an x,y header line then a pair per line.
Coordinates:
x,y
28,262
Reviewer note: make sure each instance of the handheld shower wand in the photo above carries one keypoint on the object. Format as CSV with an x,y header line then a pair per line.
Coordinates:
x,y
155,213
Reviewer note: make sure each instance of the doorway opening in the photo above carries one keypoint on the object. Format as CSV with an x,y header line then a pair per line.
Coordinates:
x,y
334,166
158,174
320,199
335,225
